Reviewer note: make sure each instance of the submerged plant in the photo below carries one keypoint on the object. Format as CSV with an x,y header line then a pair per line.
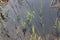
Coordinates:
x,y
40,38
23,23
57,27
33,35
30,16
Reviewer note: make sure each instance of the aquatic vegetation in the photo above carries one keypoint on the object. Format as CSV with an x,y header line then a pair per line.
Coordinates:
x,y
30,16
40,38
57,26
33,35
23,23
3,25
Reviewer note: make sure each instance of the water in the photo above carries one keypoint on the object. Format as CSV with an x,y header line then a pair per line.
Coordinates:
x,y
21,8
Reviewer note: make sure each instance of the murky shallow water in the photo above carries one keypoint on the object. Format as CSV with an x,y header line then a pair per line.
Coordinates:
x,y
22,7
